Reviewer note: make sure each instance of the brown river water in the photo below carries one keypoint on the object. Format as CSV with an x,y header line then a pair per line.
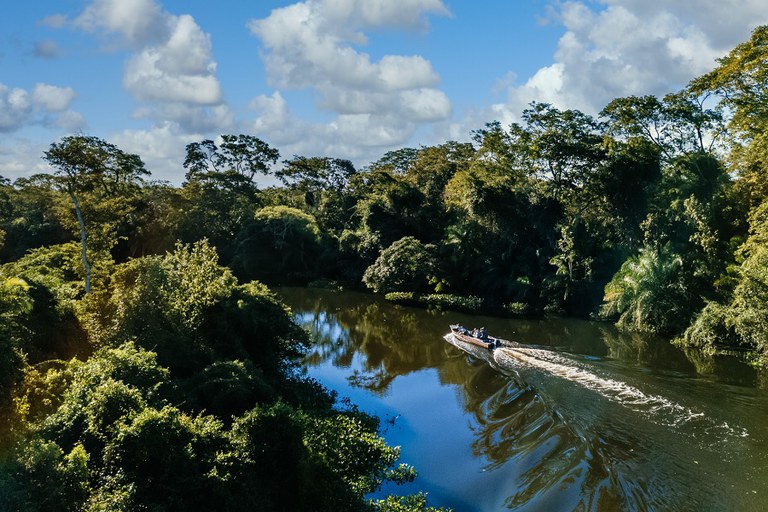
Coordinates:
x,y
575,416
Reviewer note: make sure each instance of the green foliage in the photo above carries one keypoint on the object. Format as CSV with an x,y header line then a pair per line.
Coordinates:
x,y
405,265
516,308
15,306
412,503
468,304
649,293
161,302
106,390
113,415
227,388
99,179
28,216
45,478
233,163
252,323
280,244
314,174
168,457
710,329
55,267
14,298
190,399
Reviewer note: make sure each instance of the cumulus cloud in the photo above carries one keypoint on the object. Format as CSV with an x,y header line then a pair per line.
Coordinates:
x,y
376,103
358,137
614,48
138,22
162,148
385,13
15,108
53,98
44,105
20,156
171,72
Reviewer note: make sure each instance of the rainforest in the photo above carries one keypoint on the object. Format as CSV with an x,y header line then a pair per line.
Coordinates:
x,y
146,362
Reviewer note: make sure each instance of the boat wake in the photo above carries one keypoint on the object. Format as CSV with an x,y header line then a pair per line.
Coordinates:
x,y
658,409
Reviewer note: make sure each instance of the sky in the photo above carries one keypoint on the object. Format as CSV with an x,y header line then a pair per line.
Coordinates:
x,y
348,79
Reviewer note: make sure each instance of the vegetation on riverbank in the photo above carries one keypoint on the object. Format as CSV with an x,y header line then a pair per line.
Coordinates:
x,y
171,386
461,303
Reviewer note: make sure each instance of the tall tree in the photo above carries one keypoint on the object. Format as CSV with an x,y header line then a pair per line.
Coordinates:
x,y
87,164
236,160
741,80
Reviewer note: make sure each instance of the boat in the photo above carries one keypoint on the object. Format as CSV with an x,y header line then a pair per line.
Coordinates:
x,y
477,337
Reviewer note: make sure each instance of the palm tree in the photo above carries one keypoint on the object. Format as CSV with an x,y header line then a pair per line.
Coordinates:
x,y
649,293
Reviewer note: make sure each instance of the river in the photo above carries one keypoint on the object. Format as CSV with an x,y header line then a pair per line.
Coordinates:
x,y
578,417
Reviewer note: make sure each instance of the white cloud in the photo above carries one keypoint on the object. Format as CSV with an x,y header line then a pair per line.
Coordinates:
x,y
15,108
359,137
377,104
172,73
52,98
70,121
614,48
162,148
20,156
44,105
310,44
383,13
138,22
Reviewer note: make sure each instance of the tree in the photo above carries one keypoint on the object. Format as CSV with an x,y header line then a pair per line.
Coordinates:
x,y
406,265
15,305
743,317
650,293
741,81
278,244
311,174
680,123
397,161
236,160
318,185
87,164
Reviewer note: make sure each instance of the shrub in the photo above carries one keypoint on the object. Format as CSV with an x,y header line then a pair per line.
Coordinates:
x,y
406,265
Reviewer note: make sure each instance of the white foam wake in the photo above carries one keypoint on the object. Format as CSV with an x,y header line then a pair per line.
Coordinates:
x,y
657,408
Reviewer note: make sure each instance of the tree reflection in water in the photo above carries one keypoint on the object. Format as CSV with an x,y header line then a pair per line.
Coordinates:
x,y
390,341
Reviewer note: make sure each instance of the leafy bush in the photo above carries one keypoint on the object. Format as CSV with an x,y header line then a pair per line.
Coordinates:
x,y
45,478
15,306
516,308
192,312
280,244
406,265
711,327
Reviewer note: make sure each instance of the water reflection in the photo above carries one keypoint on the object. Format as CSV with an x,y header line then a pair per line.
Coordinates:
x,y
594,420
392,341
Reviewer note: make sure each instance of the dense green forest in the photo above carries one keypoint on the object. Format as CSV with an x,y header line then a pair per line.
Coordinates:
x,y
146,366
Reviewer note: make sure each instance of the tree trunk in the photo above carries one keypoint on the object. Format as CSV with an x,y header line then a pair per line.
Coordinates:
x,y
83,238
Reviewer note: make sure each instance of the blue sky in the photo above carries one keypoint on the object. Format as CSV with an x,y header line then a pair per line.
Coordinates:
x,y
342,78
